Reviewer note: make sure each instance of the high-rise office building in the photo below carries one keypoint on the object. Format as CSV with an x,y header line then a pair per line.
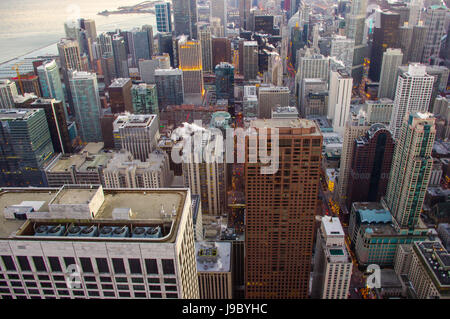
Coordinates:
x,y
84,88
244,13
411,169
25,147
250,60
250,102
311,66
105,42
108,68
169,83
204,34
69,55
50,81
385,35
392,59
8,90
219,9
270,97
136,133
120,56
149,240
140,44
332,262
206,178
280,210
57,123
342,49
225,82
355,127
370,166
355,29
120,95
163,17
147,68
434,18
185,18
413,93
221,50
418,43
339,99
144,99
190,62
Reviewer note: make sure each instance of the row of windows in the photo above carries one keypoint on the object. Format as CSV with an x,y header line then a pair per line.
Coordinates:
x,y
86,264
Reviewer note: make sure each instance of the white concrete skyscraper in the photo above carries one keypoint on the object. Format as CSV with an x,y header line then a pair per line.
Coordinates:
x,y
392,59
340,95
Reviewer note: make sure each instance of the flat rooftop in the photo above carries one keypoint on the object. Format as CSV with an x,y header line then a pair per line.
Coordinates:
x,y
213,256
332,226
145,205
286,123
437,259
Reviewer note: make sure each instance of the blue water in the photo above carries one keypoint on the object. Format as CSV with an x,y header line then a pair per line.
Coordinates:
x,y
28,25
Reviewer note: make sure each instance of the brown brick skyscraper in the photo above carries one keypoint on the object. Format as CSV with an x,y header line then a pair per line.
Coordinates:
x,y
280,212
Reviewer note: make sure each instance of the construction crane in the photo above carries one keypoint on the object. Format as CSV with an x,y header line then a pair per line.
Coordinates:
x,y
16,68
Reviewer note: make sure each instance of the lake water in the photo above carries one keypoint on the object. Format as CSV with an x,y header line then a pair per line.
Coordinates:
x,y
28,25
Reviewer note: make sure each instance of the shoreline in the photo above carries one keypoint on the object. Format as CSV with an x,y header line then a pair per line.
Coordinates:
x,y
28,53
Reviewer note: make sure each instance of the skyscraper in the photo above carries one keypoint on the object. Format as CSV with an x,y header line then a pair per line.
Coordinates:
x,y
270,97
250,60
120,56
371,164
163,17
225,82
339,99
140,42
280,210
204,34
120,95
354,29
221,50
169,83
190,62
244,13
144,99
392,59
219,10
69,55
50,81
185,17
435,17
413,93
84,88
8,90
411,169
385,35
332,261
342,49
25,147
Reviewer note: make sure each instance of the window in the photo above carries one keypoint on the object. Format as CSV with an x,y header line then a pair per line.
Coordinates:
x,y
123,287
119,267
43,277
170,281
109,294
23,263
140,295
135,266
33,291
102,265
93,293
58,278
28,277
172,295
63,292
151,266
39,263
153,280
69,261
30,284
155,295
60,285
171,288
107,286
105,279
124,294
157,288
46,284
168,267
9,263
54,264
137,280
86,264
78,293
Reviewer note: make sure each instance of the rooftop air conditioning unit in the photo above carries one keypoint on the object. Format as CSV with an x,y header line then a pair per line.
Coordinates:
x,y
58,230
41,230
74,230
121,232
139,232
153,232
106,231
89,231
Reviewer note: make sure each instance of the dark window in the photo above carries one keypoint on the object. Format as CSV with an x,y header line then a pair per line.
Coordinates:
x,y
28,277
4,290
69,261
102,265
107,286
54,264
109,294
170,281
93,293
124,294
16,284
121,279
63,292
9,263
172,295
60,285
35,297
39,263
48,292
123,287
43,277
89,278
13,276
168,267
155,295
91,286
2,276
153,280
3,284
30,284
86,264
46,284
33,291
138,287
135,266
119,267
78,293
105,279
157,288
140,295
23,263
137,280
58,278
151,266
171,288
18,291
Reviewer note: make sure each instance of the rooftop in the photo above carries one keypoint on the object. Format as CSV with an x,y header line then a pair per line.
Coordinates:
x,y
437,259
286,123
332,226
119,82
213,256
